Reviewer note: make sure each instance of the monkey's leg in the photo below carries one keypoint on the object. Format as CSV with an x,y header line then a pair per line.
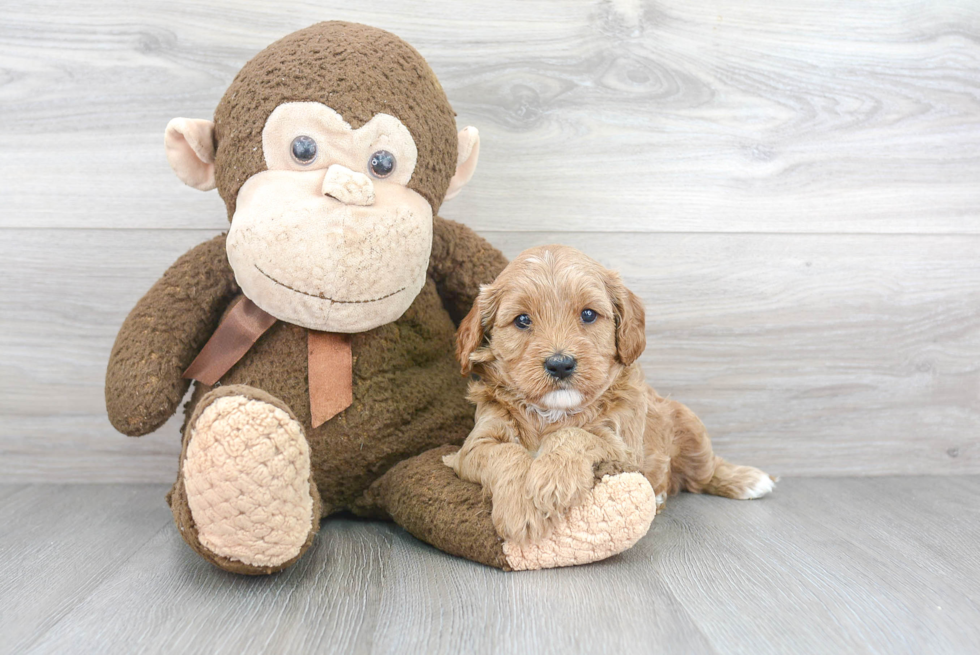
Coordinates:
x,y
424,496
244,497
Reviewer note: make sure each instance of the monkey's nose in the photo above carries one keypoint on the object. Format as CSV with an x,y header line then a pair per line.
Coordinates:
x,y
347,186
560,366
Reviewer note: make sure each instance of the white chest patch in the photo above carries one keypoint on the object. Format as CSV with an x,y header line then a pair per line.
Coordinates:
x,y
556,405
566,399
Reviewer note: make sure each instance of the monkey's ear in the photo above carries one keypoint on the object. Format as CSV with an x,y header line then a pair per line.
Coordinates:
x,y
466,158
190,151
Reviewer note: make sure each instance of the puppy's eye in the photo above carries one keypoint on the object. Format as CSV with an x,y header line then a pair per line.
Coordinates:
x,y
303,149
589,316
523,321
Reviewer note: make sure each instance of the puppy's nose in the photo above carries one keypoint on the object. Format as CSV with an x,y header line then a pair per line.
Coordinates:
x,y
560,366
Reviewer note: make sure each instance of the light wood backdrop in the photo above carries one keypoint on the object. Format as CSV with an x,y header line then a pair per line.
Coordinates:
x,y
793,187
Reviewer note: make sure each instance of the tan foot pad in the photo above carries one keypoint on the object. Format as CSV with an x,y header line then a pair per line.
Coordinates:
x,y
612,517
247,477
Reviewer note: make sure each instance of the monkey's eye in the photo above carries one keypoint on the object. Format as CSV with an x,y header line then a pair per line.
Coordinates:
x,y
523,321
304,150
382,163
589,315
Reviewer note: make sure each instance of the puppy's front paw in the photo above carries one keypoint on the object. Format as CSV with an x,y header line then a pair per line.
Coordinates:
x,y
514,514
557,481
452,461
612,517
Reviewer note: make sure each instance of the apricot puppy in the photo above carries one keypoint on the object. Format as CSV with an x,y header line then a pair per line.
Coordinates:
x,y
553,343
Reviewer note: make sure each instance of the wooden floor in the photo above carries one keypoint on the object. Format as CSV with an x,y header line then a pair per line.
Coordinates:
x,y
853,565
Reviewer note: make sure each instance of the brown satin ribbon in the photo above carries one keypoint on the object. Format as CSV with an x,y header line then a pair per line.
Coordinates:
x,y
328,353
236,333
331,375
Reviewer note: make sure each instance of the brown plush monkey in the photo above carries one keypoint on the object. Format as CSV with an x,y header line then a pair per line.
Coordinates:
x,y
320,328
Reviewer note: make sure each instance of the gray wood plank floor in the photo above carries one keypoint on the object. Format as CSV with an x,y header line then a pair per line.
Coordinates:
x,y
885,565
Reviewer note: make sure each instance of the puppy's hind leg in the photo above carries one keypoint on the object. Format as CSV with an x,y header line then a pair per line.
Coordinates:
x,y
739,482
696,469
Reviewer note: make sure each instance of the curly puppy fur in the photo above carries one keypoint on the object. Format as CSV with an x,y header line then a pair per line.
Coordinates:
x,y
539,438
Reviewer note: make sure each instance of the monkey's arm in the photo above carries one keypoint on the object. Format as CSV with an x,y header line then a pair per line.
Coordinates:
x,y
461,261
162,335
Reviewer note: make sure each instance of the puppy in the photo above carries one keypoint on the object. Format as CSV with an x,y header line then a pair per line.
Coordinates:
x,y
552,344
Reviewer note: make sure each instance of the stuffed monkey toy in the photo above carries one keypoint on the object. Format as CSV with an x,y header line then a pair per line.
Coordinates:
x,y
319,330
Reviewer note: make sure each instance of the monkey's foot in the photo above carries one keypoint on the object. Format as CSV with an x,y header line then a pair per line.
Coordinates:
x,y
426,498
612,517
246,482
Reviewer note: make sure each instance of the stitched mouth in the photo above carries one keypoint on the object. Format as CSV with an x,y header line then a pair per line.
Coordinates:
x,y
323,297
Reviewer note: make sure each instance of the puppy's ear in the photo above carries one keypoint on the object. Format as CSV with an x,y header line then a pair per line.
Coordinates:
x,y
469,336
471,332
631,336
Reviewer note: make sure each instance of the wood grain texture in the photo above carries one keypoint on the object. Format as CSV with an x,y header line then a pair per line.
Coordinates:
x,y
793,189
327,602
7,490
457,607
59,543
811,116
845,565
856,565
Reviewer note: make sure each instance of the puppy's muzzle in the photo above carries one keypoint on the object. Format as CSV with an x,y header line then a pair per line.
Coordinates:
x,y
560,366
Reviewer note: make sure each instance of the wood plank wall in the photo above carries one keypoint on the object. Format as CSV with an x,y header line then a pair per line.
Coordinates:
x,y
792,187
